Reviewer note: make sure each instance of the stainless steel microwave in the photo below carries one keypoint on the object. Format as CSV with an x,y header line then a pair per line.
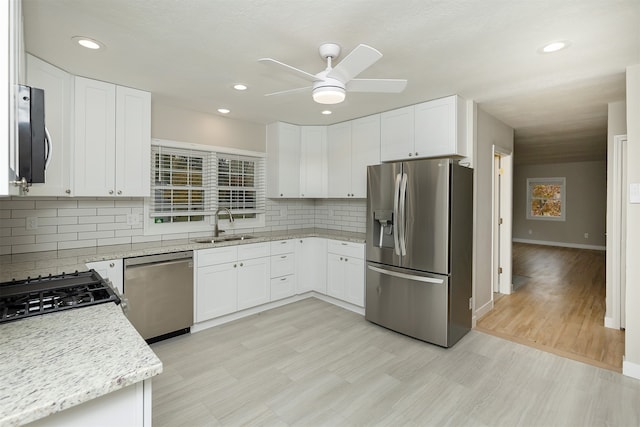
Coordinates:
x,y
34,143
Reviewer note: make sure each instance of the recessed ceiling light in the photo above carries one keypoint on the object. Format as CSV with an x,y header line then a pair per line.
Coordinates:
x,y
326,112
240,86
87,42
554,47
224,110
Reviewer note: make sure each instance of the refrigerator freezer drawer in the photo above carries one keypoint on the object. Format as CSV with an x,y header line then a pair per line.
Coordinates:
x,y
409,302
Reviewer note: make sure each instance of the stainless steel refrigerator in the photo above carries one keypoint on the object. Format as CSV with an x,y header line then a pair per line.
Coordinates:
x,y
419,248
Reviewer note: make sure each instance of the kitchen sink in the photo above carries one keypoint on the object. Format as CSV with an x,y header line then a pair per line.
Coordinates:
x,y
218,239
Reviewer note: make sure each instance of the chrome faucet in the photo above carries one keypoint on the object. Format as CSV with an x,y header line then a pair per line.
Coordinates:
x,y
216,230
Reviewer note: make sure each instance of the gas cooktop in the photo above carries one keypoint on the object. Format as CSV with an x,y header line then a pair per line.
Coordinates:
x,y
34,296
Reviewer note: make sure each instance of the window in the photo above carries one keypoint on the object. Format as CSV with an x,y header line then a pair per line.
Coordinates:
x,y
239,186
188,186
546,198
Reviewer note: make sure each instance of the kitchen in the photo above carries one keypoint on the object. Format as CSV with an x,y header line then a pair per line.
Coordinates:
x,y
124,218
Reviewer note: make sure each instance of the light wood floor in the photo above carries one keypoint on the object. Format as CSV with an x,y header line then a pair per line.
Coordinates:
x,y
311,363
561,306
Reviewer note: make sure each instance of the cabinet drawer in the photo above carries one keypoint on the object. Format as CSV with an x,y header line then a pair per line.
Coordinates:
x,y
281,265
253,250
213,256
282,247
355,250
283,287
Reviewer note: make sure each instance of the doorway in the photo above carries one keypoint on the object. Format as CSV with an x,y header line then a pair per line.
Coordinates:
x,y
502,196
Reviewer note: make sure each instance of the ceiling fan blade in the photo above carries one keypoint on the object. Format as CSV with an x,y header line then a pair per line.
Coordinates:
x,y
358,60
376,85
282,92
297,71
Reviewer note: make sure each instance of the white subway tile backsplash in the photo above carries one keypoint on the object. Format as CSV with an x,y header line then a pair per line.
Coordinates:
x,y
76,228
76,212
95,235
96,204
81,224
96,219
58,237
55,204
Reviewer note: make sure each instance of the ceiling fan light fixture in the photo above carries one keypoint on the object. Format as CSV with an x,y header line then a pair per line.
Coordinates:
x,y
328,95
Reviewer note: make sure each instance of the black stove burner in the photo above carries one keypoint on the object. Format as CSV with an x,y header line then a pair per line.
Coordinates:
x,y
34,296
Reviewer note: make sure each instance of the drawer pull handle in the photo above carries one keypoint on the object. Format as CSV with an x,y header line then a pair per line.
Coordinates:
x,y
111,264
241,264
283,256
283,243
283,279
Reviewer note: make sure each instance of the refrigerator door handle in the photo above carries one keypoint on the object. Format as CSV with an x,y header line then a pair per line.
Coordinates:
x,y
405,276
396,218
403,214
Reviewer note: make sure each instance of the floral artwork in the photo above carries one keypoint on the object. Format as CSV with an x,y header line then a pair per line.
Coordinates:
x,y
546,200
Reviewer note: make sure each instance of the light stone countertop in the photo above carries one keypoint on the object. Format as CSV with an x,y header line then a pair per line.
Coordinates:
x,y
21,266
58,360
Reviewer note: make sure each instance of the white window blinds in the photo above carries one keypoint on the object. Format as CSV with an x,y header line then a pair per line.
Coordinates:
x,y
240,185
189,185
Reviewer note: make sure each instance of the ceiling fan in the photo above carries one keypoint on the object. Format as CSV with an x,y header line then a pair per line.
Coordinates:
x,y
330,85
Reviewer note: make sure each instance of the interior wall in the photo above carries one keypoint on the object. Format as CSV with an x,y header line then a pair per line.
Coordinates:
x,y
177,124
616,125
586,196
490,132
631,365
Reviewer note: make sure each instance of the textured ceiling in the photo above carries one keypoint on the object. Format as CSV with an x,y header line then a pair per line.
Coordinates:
x,y
190,53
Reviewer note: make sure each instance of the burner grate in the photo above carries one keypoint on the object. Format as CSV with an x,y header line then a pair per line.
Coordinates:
x,y
35,296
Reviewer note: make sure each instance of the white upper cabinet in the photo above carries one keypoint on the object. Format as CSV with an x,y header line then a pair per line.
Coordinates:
x,y
339,160
283,160
365,151
112,143
440,128
58,89
352,146
397,134
133,142
313,161
432,129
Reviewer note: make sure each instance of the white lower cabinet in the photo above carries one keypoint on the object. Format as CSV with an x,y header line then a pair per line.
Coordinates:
x,y
253,282
283,269
311,265
112,270
345,271
231,278
216,291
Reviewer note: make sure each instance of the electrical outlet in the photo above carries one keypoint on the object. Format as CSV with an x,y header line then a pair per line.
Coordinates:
x,y
32,223
586,235
133,219
530,231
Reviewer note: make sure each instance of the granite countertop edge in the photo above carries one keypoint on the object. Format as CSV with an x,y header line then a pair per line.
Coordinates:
x,y
33,264
27,392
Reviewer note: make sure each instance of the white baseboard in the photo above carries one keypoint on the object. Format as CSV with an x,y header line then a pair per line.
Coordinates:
x,y
630,369
610,323
561,244
259,309
482,311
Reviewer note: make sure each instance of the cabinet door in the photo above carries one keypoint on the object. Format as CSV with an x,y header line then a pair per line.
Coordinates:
x,y
133,142
57,106
336,276
439,130
283,160
216,291
365,151
311,265
397,134
339,160
354,281
313,164
254,282
112,270
94,142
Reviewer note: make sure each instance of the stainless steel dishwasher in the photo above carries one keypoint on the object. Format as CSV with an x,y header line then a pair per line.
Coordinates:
x,y
159,291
